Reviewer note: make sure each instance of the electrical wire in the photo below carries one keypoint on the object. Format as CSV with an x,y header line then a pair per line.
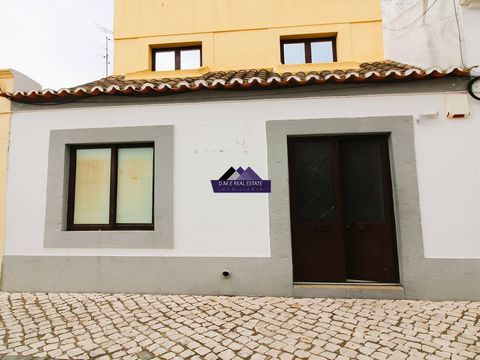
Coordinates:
x,y
460,41
471,84
414,21
310,88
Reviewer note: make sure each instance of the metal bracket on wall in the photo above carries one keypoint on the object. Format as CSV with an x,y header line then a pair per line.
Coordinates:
x,y
427,116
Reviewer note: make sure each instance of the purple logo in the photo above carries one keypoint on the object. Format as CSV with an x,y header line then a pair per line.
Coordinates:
x,y
238,181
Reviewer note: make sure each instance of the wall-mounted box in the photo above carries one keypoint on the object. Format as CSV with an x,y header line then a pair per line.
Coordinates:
x,y
457,106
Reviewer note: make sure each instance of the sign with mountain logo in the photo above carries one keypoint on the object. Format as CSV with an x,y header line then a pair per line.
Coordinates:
x,y
241,181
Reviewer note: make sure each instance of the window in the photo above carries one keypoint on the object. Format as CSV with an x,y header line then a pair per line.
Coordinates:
x,y
111,187
183,58
306,51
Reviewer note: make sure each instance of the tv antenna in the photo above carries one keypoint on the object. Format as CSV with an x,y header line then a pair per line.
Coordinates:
x,y
108,37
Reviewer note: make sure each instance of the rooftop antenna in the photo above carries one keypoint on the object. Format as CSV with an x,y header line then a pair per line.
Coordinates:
x,y
108,37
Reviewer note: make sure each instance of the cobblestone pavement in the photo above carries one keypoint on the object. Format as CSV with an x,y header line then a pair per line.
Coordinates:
x,y
98,326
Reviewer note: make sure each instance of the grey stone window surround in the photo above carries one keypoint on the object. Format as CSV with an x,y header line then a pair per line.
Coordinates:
x,y
56,235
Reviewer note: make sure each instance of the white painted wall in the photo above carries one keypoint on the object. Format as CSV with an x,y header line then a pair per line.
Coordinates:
x,y
393,8
471,31
24,83
210,137
429,40
432,39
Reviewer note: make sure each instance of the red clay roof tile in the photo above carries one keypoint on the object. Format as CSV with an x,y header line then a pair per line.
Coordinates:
x,y
235,79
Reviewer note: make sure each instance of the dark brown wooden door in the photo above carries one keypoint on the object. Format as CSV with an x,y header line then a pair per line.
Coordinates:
x,y
316,219
341,210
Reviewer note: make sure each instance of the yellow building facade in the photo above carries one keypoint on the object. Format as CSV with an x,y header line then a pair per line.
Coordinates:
x,y
243,34
6,85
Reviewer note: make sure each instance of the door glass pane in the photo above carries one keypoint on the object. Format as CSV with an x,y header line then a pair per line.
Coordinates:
x,y
362,181
92,186
135,186
190,59
322,52
164,60
314,190
294,53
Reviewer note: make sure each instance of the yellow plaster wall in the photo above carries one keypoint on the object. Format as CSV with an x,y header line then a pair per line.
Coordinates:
x,y
242,49
6,84
238,34
365,38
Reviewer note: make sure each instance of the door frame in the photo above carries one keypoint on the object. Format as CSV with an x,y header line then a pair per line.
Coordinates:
x,y
406,201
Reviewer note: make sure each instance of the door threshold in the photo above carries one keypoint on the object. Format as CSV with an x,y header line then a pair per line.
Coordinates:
x,y
353,283
349,290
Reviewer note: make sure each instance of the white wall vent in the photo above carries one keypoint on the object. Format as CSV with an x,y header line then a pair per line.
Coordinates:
x,y
457,106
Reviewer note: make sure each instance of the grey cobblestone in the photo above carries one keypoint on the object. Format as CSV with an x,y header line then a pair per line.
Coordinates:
x,y
100,326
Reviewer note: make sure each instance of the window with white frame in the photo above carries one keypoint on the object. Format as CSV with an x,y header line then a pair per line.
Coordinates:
x,y
177,58
308,50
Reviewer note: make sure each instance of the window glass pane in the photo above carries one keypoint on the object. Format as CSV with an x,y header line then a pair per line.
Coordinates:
x,y
135,186
294,53
322,52
190,59
362,181
92,186
315,197
164,60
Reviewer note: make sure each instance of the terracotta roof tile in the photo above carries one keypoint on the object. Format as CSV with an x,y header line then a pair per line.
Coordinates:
x,y
236,79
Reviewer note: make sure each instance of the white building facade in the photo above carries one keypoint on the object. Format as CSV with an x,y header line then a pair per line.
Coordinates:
x,y
241,243
429,33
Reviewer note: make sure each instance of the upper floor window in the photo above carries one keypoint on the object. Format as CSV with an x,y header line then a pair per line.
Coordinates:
x,y
306,51
180,58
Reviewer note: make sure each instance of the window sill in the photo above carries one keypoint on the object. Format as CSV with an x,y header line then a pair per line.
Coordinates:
x,y
294,68
127,239
113,231
146,74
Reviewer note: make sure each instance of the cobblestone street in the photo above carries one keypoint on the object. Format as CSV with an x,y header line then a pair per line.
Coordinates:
x,y
98,326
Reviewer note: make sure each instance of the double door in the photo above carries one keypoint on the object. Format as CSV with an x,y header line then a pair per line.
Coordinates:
x,y
342,210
